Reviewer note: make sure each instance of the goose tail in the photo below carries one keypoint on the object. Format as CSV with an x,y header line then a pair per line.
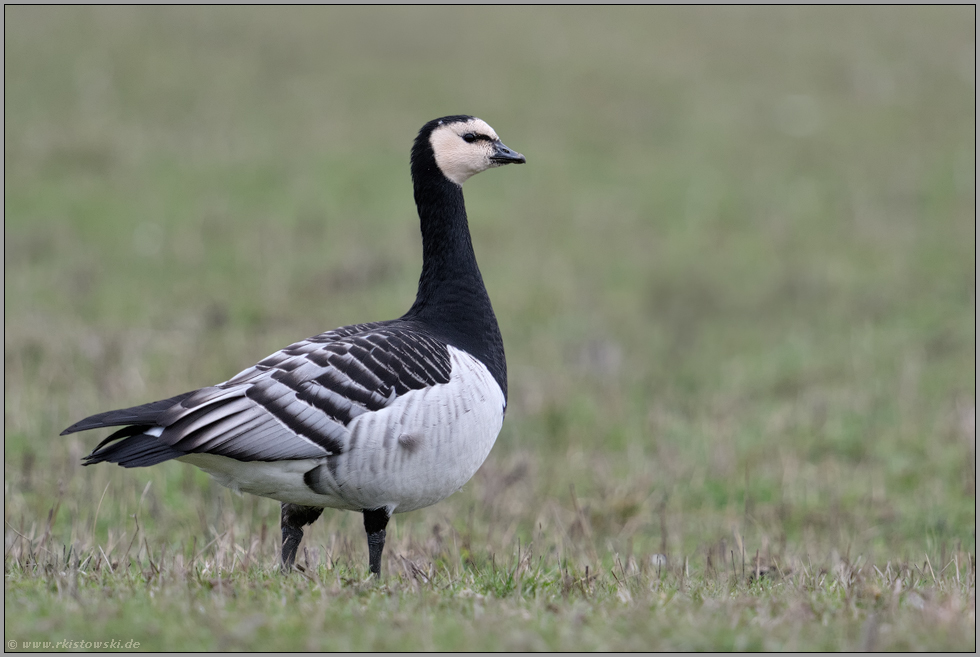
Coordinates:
x,y
137,444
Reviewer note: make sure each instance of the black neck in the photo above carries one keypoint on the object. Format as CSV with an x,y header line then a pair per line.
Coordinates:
x,y
452,301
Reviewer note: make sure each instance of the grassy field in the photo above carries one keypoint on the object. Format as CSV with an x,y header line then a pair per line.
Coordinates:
x,y
736,282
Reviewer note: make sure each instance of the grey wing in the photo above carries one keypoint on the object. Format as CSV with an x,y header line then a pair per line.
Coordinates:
x,y
295,404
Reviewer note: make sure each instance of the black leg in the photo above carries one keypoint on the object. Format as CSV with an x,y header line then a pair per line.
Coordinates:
x,y
374,524
294,518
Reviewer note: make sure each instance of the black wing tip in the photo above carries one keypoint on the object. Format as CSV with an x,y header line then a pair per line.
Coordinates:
x,y
146,414
82,425
139,451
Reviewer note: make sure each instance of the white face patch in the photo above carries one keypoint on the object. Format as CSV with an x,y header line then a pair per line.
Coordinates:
x,y
459,159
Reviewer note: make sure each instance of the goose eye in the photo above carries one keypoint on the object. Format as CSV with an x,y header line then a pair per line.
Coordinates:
x,y
469,137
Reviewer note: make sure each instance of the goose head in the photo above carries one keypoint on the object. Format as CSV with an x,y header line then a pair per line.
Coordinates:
x,y
463,146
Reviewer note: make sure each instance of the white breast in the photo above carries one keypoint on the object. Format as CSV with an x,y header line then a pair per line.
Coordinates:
x,y
411,454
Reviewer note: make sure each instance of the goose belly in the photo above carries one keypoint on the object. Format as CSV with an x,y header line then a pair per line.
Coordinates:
x,y
280,480
413,453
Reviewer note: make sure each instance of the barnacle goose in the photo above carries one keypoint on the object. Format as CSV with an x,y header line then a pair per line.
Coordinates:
x,y
381,418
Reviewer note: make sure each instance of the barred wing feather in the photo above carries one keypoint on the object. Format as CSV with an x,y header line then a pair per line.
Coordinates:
x,y
295,404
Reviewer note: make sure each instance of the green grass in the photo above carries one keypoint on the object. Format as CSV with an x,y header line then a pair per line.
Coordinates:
x,y
736,282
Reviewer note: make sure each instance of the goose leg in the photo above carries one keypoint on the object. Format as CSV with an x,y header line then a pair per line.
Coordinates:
x,y
374,524
294,518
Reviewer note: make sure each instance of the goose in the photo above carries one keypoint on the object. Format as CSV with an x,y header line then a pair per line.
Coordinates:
x,y
379,418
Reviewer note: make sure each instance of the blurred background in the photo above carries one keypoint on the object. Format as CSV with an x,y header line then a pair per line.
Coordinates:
x,y
736,278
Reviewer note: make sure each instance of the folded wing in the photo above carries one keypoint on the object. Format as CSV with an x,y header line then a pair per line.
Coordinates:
x,y
295,404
